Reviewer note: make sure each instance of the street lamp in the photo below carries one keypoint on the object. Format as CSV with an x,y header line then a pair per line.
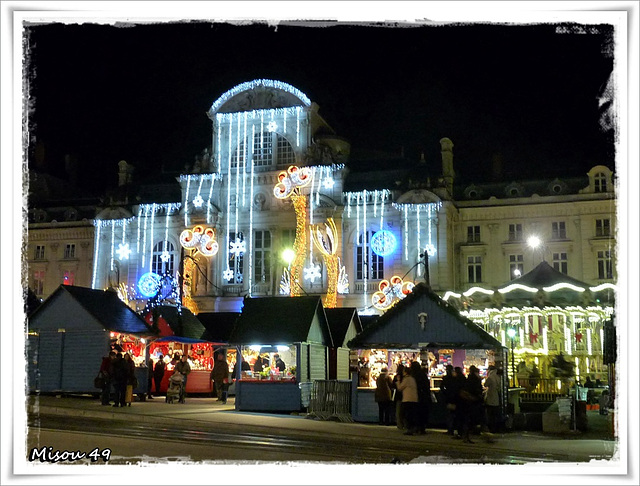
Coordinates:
x,y
511,332
288,255
534,243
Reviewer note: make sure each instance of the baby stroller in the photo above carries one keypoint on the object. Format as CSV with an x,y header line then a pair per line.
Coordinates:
x,y
175,390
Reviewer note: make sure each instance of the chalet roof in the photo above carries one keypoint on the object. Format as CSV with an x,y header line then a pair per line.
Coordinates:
x,y
183,323
104,306
218,325
400,326
339,319
279,320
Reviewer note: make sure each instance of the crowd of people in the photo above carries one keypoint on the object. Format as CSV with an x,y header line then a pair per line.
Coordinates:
x,y
471,404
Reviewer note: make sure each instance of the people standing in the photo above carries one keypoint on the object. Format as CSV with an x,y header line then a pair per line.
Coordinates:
x,y
184,368
120,375
492,399
220,374
158,373
424,397
132,381
149,378
472,403
279,363
409,390
397,397
459,413
383,397
105,370
448,390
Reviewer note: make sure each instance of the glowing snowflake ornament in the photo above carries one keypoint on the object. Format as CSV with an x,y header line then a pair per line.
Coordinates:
x,y
165,256
123,251
430,249
312,272
272,126
328,183
237,247
227,274
198,201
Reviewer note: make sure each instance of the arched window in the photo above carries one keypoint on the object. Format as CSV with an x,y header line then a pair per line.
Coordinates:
x,y
268,148
163,258
369,264
600,182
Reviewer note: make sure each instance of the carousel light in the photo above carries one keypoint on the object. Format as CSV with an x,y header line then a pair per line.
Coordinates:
x,y
512,287
560,286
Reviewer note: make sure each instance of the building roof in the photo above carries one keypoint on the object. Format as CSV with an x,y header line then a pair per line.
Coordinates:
x,y
218,325
103,305
339,319
420,320
279,320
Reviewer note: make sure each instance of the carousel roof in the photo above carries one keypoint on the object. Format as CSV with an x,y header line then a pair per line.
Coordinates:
x,y
280,320
542,286
423,320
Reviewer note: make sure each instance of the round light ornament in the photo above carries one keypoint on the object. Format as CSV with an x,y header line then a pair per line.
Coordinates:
x,y
383,243
149,284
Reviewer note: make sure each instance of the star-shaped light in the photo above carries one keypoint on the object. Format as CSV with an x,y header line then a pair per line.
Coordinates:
x,y
165,256
123,251
198,201
272,126
312,272
237,247
227,274
328,182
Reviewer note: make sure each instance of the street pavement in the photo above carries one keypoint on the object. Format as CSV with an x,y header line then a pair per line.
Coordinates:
x,y
596,442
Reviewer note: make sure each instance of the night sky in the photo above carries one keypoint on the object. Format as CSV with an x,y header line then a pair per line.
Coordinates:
x,y
527,95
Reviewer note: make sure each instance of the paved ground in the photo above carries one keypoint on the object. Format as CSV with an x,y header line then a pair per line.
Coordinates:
x,y
596,442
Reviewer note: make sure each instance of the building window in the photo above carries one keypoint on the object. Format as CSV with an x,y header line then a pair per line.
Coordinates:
x,y
68,278
600,182
262,256
288,237
515,232
605,268
558,230
474,269
603,227
267,148
70,251
38,282
473,234
516,266
369,264
163,262
560,262
236,258
39,252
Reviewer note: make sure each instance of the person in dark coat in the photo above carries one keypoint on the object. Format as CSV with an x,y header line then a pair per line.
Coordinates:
x,y
120,375
279,363
105,369
449,392
424,397
383,397
158,373
220,374
472,403
397,397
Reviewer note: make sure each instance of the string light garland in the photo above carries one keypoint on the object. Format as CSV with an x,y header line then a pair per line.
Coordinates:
x,y
250,85
326,241
391,291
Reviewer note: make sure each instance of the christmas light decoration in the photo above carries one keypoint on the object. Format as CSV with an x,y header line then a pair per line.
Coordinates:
x,y
285,282
603,286
186,199
227,274
272,126
96,247
237,247
343,279
328,183
383,243
312,272
326,241
123,251
561,285
390,292
113,229
165,256
149,284
249,85
198,201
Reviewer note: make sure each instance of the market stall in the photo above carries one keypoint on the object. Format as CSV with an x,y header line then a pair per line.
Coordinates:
x,y
285,341
424,328
182,333
70,333
344,324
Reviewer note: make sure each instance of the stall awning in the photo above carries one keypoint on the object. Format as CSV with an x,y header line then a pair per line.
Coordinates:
x,y
184,340
421,320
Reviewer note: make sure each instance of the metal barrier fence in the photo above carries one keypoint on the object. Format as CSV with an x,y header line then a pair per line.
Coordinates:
x,y
331,400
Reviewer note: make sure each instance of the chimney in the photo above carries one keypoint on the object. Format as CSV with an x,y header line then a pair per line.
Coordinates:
x,y
446,149
125,173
